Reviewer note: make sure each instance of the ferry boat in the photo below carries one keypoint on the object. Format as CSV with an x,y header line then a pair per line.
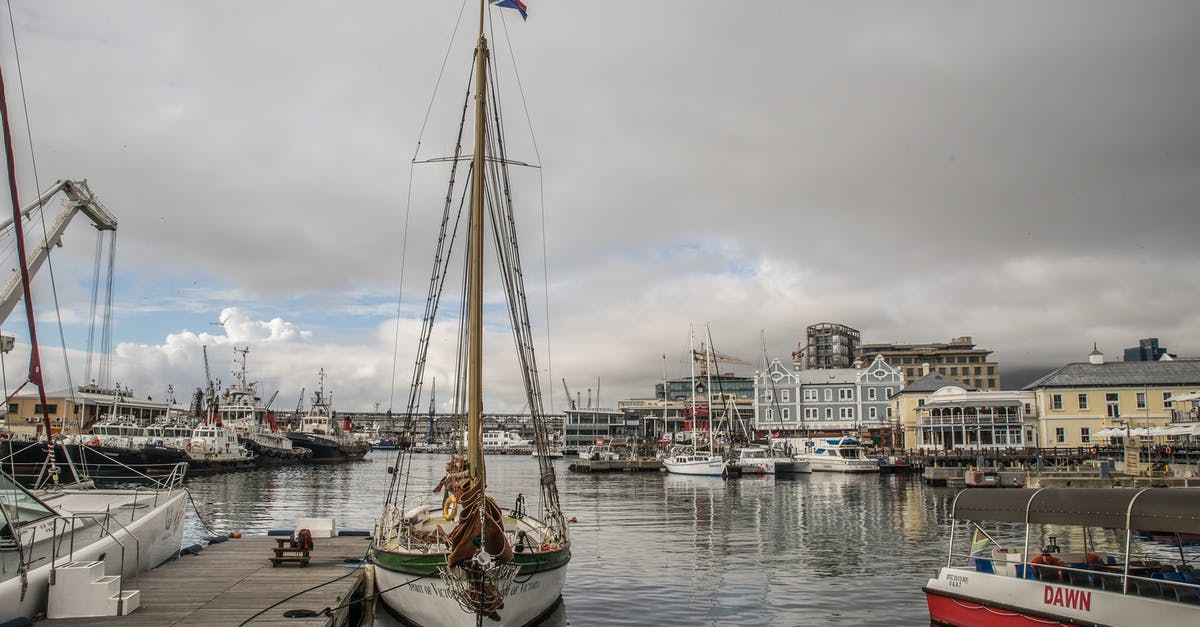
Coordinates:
x,y
844,454
1104,577
505,442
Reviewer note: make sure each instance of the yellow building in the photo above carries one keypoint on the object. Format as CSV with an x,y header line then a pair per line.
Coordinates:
x,y
76,410
1079,399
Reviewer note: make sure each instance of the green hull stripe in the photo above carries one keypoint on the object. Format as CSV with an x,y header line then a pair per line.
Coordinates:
x,y
428,564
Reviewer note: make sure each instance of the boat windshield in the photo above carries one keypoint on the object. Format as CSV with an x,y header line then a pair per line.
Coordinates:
x,y
20,507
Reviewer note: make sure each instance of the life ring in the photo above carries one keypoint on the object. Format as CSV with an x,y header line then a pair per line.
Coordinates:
x,y
94,442
1095,451
1167,450
449,507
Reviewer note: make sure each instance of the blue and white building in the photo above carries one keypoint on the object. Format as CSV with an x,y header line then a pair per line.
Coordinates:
x,y
833,399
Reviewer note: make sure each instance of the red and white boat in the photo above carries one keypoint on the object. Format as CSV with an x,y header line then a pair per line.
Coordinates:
x,y
1103,575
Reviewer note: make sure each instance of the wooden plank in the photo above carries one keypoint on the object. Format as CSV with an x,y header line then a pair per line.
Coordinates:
x,y
228,583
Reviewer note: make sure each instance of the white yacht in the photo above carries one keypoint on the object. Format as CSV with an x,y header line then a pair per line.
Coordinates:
x,y
700,463
52,535
842,454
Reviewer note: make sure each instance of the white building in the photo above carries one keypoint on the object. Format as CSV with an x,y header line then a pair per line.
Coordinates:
x,y
833,399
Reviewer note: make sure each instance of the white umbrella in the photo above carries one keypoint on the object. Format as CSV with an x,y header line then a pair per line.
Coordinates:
x,y
1190,396
1109,432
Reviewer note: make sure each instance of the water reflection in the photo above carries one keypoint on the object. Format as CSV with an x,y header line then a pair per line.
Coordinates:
x,y
666,549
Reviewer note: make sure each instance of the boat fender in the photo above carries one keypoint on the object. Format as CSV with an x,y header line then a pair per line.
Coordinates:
x,y
449,507
217,540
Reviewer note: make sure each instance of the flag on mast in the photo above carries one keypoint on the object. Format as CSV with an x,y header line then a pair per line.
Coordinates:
x,y
512,4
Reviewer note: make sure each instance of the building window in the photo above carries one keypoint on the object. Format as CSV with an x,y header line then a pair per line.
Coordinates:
x,y
767,395
49,408
920,402
828,413
785,396
845,394
1112,402
1056,402
870,394
941,371
1141,400
810,394
1083,401
872,413
1060,434
1166,396
810,412
847,413
1085,434
978,371
828,394
991,370
12,408
954,372
889,413
787,413
889,392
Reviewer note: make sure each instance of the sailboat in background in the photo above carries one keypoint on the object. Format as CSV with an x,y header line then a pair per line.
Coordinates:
x,y
698,461
465,560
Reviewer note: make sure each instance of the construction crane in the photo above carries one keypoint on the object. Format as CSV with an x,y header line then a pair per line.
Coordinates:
x,y
79,198
568,391
706,356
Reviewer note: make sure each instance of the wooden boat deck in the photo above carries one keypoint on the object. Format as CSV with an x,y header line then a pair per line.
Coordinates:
x,y
227,583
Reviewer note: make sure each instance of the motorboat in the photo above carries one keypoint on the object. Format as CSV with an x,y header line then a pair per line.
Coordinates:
x,y
842,454
49,535
1116,565
698,463
321,433
756,460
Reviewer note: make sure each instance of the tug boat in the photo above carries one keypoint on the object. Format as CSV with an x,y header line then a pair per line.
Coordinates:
x,y
1106,578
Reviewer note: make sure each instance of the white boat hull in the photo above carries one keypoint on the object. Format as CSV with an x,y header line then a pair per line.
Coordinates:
x,y
823,464
158,533
795,466
429,601
704,468
967,597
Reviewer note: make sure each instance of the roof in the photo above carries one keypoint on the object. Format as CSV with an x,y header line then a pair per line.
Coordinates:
x,y
981,402
827,375
1172,510
1121,373
935,381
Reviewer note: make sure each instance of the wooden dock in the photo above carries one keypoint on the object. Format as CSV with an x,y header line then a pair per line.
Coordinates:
x,y
230,582
616,465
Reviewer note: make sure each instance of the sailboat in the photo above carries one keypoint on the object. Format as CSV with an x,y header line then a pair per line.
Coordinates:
x,y
464,559
66,548
697,461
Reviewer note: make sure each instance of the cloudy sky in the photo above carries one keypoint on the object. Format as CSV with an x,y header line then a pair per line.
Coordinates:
x,y
1026,173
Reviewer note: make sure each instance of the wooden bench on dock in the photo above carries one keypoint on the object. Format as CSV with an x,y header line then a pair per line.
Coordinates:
x,y
285,552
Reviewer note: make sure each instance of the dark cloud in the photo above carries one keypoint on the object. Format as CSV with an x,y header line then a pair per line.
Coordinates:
x,y
1026,173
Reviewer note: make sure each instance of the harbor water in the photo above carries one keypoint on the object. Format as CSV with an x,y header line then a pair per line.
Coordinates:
x,y
653,548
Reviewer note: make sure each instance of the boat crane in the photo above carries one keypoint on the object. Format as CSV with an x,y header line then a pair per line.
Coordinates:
x,y
79,198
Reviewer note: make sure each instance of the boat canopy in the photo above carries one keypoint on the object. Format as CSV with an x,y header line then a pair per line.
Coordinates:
x,y
1170,510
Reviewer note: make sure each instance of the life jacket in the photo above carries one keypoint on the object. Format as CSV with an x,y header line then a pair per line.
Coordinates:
x,y
304,540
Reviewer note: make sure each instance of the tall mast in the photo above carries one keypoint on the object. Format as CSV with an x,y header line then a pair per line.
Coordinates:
x,y
475,286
